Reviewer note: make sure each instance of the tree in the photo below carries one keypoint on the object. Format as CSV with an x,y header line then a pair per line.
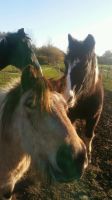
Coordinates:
x,y
2,34
49,55
106,58
107,54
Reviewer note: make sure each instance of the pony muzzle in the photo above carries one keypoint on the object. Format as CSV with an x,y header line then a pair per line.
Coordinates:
x,y
71,164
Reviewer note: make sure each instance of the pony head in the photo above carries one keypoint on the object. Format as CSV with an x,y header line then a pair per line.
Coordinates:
x,y
16,49
80,66
36,116
79,49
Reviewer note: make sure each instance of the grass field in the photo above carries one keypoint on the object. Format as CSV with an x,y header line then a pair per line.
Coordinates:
x,y
11,72
107,76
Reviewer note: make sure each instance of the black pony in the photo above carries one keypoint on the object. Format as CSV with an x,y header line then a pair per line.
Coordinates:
x,y
81,85
16,49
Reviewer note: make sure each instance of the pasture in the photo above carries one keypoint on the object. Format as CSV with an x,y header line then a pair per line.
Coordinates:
x,y
96,184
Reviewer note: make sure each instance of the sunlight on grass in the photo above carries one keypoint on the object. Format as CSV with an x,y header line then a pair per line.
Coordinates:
x,y
51,72
6,77
10,72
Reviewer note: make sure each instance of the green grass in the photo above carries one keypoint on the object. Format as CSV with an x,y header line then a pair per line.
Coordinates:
x,y
11,69
107,84
6,77
51,72
11,72
106,71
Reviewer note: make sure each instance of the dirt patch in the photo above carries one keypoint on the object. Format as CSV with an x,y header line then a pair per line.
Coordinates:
x,y
96,184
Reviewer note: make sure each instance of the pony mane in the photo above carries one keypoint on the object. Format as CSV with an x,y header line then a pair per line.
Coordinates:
x,y
40,88
59,84
85,80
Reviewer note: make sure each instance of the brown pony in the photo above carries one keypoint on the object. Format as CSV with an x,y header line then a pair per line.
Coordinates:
x,y
34,126
81,85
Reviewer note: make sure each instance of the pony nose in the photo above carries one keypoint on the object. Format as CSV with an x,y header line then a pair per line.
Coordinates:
x,y
70,163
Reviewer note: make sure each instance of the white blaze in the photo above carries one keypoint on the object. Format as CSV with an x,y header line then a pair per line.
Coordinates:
x,y
96,72
69,92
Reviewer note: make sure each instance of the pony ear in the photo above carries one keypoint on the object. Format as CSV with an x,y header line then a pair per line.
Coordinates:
x,y
71,41
70,37
89,42
21,32
28,78
31,79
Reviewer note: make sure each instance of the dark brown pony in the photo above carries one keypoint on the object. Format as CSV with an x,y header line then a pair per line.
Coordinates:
x,y
16,49
82,86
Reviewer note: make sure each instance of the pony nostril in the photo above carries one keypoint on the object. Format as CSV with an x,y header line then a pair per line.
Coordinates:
x,y
67,163
70,163
64,157
7,195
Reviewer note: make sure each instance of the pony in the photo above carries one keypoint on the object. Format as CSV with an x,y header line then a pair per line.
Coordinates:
x,y
34,126
81,86
16,49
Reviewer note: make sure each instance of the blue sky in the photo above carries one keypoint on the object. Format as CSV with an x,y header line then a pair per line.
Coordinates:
x,y
51,20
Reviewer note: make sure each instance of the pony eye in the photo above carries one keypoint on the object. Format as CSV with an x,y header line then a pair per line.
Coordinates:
x,y
29,104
